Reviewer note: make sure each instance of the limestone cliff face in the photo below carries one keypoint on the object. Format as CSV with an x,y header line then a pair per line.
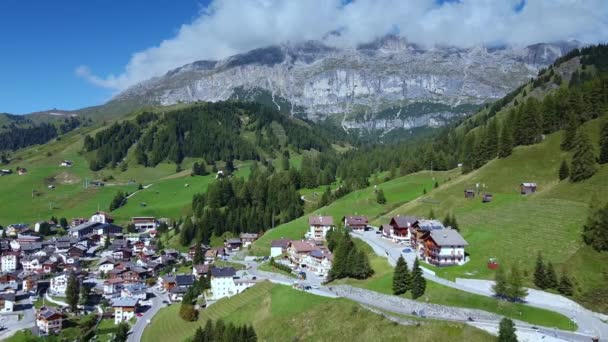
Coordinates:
x,y
357,83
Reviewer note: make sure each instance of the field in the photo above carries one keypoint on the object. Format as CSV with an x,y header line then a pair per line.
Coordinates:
x,y
361,202
382,281
514,228
279,313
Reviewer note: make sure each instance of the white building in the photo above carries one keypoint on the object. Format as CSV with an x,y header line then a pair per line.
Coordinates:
x,y
319,226
135,291
225,284
319,262
32,264
9,262
124,309
100,217
49,320
144,223
7,302
59,284
444,247
278,247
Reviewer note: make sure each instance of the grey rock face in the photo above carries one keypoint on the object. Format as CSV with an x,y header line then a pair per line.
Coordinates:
x,y
357,82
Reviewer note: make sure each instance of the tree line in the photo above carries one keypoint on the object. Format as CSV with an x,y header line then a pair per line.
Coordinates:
x,y
404,281
222,332
545,277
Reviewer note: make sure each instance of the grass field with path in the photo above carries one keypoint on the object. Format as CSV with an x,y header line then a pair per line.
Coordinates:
x,y
279,313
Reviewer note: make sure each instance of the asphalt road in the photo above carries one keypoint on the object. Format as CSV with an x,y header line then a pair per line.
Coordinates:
x,y
137,330
11,322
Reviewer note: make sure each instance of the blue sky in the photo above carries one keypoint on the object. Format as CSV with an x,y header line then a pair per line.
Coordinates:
x,y
42,42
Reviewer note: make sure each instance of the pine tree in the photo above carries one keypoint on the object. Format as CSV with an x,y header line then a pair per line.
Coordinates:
x,y
565,286
380,197
122,332
455,223
540,274
500,286
595,231
516,289
401,277
492,140
584,163
604,143
199,256
506,331
570,132
199,336
564,170
551,277
72,292
505,146
447,221
63,222
418,283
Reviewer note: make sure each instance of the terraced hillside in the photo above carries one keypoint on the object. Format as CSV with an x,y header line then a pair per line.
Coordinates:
x,y
279,313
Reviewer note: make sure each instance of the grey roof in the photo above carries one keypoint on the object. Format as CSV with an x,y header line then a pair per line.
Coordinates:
x,y
8,296
234,241
405,221
448,237
136,287
430,225
85,225
529,184
48,312
223,272
283,243
179,289
32,246
184,279
124,301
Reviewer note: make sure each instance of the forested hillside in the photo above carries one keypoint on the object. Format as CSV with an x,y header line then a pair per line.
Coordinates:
x,y
222,131
17,132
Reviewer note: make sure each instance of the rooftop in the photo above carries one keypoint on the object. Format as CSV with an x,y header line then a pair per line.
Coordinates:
x,y
321,220
223,272
124,302
448,237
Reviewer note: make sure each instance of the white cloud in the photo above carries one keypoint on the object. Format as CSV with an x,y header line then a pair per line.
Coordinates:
x,y
227,27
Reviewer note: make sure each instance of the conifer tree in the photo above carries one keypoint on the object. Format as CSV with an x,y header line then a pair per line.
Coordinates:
x,y
570,132
500,286
584,163
122,332
505,146
447,221
506,331
564,170
565,286
492,140
595,231
551,277
418,283
540,274
380,197
604,143
516,289
454,223
401,277
72,292
199,256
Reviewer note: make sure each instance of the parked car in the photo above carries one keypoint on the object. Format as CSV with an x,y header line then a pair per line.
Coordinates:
x,y
407,250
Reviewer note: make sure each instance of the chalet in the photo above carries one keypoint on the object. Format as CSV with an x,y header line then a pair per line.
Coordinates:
x,y
21,171
78,221
9,261
319,226
112,286
233,244
248,238
469,194
32,263
527,188
144,223
298,251
5,172
444,247
200,270
124,309
25,236
224,283
137,290
319,261
168,282
77,251
106,264
8,281
101,217
400,228
122,254
278,247
59,284
7,302
176,294
420,230
49,266
355,223
49,321
29,281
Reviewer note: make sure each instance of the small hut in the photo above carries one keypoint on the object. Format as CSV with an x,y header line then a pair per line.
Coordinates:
x,y
487,198
527,188
469,194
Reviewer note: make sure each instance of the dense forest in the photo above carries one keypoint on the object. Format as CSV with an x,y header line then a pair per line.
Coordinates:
x,y
16,137
211,131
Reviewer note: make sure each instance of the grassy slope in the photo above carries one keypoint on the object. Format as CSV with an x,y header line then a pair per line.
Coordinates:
x,y
382,281
279,313
361,202
514,228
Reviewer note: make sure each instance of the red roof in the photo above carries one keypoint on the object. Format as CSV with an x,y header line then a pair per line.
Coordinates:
x,y
303,246
356,220
321,220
